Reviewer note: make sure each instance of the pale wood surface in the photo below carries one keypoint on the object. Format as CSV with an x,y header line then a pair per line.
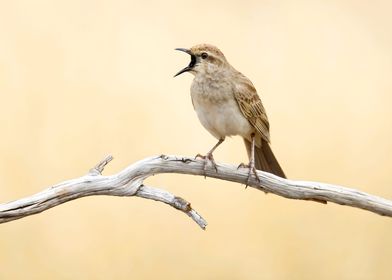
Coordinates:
x,y
129,182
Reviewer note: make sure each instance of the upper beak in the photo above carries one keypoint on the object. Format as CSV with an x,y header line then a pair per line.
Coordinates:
x,y
191,64
184,50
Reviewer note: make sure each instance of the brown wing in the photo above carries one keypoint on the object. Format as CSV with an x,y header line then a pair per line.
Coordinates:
x,y
251,106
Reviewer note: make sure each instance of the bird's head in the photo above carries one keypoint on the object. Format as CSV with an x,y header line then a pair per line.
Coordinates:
x,y
204,59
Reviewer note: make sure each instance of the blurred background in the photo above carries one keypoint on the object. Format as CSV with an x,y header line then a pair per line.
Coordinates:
x,y
82,79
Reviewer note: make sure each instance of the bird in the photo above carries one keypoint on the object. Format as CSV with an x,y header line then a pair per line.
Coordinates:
x,y
227,104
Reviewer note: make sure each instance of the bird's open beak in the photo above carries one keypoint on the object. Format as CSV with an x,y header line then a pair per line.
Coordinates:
x,y
191,64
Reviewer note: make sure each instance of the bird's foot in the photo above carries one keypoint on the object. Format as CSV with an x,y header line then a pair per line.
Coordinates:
x,y
252,168
207,158
242,165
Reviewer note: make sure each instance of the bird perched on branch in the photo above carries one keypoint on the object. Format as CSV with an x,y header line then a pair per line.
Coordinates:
x,y
227,104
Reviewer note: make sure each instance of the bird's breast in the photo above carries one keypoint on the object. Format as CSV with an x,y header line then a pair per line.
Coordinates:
x,y
218,110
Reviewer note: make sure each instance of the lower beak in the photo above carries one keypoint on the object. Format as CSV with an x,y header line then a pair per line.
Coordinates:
x,y
186,69
191,64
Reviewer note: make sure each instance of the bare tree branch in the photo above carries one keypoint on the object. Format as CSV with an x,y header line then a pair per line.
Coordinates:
x,y
129,182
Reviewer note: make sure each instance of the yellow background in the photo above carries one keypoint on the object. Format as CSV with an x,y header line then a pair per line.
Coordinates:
x,y
82,79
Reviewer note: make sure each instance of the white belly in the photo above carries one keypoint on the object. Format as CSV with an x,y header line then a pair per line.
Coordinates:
x,y
221,117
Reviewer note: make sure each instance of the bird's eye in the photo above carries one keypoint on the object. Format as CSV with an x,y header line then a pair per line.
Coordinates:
x,y
204,55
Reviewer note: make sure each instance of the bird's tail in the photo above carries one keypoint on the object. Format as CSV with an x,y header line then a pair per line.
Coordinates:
x,y
265,159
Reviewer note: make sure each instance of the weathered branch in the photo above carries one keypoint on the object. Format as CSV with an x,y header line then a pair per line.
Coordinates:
x,y
129,182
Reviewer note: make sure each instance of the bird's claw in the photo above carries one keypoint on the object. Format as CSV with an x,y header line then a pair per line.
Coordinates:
x,y
251,168
242,165
207,158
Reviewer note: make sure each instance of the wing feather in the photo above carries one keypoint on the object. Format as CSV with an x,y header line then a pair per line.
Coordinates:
x,y
251,106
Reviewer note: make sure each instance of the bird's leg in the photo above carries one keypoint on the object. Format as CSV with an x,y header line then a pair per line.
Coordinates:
x,y
209,157
251,164
252,167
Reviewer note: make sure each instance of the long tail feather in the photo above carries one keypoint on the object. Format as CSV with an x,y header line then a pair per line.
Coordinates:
x,y
265,159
